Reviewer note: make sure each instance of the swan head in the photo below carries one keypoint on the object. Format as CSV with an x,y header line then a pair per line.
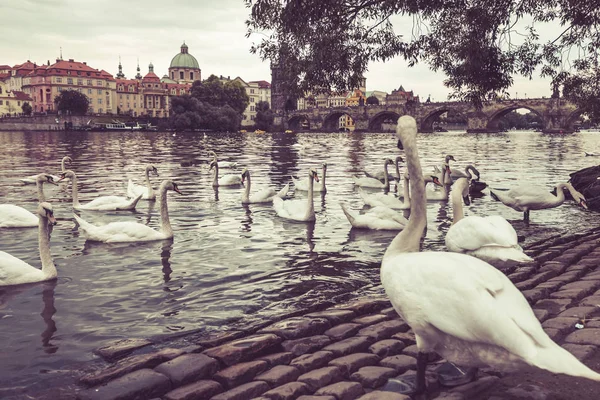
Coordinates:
x,y
450,157
67,174
389,161
399,159
313,174
170,185
324,166
578,197
213,164
435,180
245,174
152,168
43,178
68,160
405,128
45,210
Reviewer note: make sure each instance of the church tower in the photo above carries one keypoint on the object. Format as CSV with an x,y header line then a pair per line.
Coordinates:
x,y
120,74
138,76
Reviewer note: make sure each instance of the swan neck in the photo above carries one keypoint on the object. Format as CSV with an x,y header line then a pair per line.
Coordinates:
x,y
75,191
397,171
457,207
409,239
48,267
246,196
405,190
40,190
386,179
216,176
310,210
323,180
165,222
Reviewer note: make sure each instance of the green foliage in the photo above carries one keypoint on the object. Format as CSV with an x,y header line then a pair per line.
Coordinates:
x,y
189,113
521,121
212,91
27,109
72,102
264,116
476,44
372,100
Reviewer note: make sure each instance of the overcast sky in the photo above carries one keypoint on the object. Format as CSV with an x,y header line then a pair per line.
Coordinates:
x,y
99,31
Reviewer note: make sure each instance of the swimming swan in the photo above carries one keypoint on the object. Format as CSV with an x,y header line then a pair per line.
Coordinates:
x,y
375,183
380,174
298,210
529,197
12,216
489,238
303,184
223,164
377,218
263,196
131,231
147,191
387,200
459,306
30,180
103,203
14,271
225,180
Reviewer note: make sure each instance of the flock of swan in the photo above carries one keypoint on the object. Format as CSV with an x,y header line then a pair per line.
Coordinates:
x,y
456,302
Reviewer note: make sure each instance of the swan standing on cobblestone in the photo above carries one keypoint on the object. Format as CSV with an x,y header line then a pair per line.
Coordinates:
x,y
458,306
490,238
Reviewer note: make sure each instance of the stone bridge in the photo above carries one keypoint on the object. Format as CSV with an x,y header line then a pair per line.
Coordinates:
x,y
557,115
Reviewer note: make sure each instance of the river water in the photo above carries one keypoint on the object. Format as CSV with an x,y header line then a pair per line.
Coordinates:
x,y
228,264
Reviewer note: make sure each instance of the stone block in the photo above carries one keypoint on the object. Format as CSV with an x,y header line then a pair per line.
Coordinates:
x,y
384,330
554,306
585,336
279,375
119,348
140,384
413,351
408,338
241,349
316,398
309,362
387,347
321,377
243,392
277,358
580,312
390,312
401,363
353,362
541,314
198,390
365,305
591,301
373,377
298,327
351,345
370,319
188,368
534,295
218,338
334,316
554,334
342,390
305,345
343,331
240,373
380,395
473,389
289,391
563,324
581,351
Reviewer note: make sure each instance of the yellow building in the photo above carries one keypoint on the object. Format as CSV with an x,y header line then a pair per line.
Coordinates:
x,y
11,102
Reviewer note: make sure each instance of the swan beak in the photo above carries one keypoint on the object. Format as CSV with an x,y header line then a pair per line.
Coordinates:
x,y
52,220
316,177
467,200
436,180
54,183
399,145
61,179
177,190
583,204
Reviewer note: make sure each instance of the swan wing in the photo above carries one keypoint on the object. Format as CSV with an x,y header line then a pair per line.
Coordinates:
x,y
230,180
300,184
474,232
368,182
134,190
284,191
263,196
381,199
371,221
14,271
12,216
379,175
290,209
29,180
384,212
118,232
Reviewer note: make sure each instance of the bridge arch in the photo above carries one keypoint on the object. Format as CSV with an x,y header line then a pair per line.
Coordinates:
x,y
494,119
331,122
299,122
430,118
571,118
383,121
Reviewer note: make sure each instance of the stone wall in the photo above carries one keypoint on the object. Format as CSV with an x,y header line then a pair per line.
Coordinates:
x,y
40,123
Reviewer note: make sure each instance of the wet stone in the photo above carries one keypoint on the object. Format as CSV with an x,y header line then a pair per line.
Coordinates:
x,y
240,373
384,330
302,346
563,324
380,395
387,347
277,358
353,362
550,286
541,314
592,276
529,392
120,348
316,398
585,336
289,391
581,351
342,390
298,327
373,377
241,349
591,301
401,363
309,362
188,368
472,389
533,295
321,377
343,331
580,312
554,334
408,338
141,384
196,390
555,266
130,364
370,319
366,306
217,339
334,316
279,375
414,350
554,306
243,392
350,345
390,312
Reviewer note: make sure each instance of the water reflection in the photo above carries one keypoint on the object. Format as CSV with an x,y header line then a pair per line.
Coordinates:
x,y
47,314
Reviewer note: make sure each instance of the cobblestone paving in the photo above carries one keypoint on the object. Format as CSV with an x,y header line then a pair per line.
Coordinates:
x,y
349,351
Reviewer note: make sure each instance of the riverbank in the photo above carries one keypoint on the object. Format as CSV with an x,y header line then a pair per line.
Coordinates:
x,y
350,350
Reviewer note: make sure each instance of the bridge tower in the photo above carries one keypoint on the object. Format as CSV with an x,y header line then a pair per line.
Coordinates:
x,y
278,95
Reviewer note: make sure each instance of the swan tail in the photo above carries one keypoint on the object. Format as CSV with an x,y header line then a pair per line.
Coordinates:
x,y
283,192
133,203
558,360
494,196
351,217
490,253
85,226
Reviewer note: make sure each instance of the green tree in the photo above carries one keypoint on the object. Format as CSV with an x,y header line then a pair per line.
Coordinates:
x,y
72,102
236,96
472,42
27,109
185,113
372,101
264,116
212,91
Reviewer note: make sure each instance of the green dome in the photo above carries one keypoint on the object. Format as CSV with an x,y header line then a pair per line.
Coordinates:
x,y
184,59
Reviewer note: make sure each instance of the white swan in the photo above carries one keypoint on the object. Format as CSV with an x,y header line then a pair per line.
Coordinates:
x,y
103,203
529,197
225,180
489,238
438,195
387,200
298,210
459,306
131,231
375,183
12,216
30,180
263,196
147,191
304,184
223,164
377,218
14,271
377,174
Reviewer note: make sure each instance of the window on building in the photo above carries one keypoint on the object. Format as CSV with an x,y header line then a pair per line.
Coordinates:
x,y
1,102
58,79
251,99
99,101
89,91
19,103
80,81
252,117
78,72
191,76
251,90
251,108
99,91
69,81
99,83
89,81
181,75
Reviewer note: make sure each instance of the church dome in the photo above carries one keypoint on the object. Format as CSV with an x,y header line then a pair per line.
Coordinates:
x,y
184,59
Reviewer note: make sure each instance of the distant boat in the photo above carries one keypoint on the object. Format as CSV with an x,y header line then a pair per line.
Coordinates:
x,y
289,131
243,131
117,127
259,131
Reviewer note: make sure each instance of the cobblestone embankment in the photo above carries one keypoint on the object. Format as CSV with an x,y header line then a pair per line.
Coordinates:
x,y
349,351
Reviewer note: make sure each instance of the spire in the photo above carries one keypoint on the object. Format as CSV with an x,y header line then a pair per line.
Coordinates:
x,y
184,48
138,75
61,53
120,74
150,67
